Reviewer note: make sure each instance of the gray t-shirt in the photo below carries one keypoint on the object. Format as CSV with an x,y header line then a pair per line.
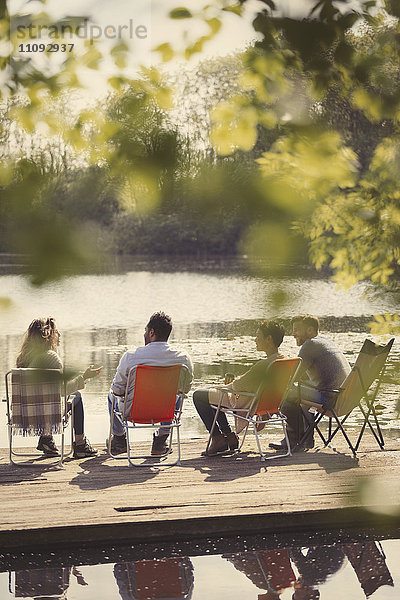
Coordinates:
x,y
326,365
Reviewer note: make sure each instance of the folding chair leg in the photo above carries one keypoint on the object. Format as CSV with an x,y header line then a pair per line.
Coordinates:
x,y
160,463
332,435
262,455
60,462
378,426
244,437
10,440
346,437
289,452
258,442
178,438
378,436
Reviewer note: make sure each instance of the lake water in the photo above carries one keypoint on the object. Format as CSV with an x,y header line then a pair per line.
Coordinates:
x,y
215,307
264,568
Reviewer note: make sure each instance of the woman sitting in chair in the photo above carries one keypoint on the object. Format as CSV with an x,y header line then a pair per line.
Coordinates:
x,y
39,350
268,339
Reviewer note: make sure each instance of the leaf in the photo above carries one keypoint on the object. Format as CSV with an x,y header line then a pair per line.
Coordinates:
x,y
214,24
119,54
166,51
237,9
116,82
180,13
91,58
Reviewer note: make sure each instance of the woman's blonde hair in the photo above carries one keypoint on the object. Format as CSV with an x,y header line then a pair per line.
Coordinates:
x,y
40,338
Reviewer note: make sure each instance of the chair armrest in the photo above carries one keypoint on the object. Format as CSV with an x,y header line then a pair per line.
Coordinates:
x,y
231,391
314,387
311,404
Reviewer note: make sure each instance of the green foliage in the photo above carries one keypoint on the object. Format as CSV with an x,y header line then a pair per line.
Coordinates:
x,y
180,13
83,195
345,62
68,169
357,231
386,324
309,167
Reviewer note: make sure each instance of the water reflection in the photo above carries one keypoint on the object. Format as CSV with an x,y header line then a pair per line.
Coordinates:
x,y
296,572
170,578
274,570
43,583
369,562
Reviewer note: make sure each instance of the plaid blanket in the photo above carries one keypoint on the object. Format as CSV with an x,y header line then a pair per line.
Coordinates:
x,y
36,406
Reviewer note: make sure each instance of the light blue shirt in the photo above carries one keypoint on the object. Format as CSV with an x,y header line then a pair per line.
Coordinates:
x,y
155,354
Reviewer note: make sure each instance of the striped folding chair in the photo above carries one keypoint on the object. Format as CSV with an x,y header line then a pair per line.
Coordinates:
x,y
264,406
157,398
36,405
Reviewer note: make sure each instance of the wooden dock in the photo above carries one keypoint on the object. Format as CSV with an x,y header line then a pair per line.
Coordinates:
x,y
102,500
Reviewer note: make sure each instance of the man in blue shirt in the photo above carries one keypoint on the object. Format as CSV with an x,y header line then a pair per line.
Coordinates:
x,y
156,352
324,368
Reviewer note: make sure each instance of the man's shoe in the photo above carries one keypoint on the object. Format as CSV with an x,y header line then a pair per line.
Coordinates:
x,y
309,443
279,446
233,441
84,450
47,445
295,447
218,444
160,445
118,444
282,445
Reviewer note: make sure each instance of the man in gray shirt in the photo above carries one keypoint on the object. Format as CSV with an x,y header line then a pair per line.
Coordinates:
x,y
324,368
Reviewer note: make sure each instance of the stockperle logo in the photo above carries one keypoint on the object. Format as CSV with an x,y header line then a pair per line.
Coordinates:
x,y
84,30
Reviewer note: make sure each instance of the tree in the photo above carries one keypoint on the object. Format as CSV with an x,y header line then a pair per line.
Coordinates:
x,y
27,178
309,168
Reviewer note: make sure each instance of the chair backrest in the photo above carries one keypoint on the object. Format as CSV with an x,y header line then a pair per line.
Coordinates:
x,y
154,393
367,368
279,378
35,402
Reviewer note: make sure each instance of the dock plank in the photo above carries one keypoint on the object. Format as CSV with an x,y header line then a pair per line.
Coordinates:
x,y
102,499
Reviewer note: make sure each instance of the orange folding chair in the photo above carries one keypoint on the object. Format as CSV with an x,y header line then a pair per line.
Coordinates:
x,y
157,398
264,405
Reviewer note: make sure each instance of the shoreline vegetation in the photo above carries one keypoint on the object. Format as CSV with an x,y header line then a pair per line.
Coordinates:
x,y
201,261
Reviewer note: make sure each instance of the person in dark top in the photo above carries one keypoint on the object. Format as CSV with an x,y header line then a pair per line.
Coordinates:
x,y
324,368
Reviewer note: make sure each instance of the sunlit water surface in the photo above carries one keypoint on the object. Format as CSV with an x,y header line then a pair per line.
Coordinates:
x,y
215,309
